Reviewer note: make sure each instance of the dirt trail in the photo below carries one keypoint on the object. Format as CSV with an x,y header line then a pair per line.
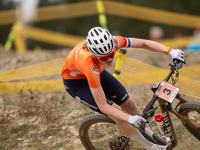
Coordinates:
x,y
63,134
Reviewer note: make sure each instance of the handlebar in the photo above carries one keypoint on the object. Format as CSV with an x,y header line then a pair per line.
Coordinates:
x,y
177,64
148,112
175,67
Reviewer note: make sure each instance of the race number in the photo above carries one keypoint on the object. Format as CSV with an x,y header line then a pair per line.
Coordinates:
x,y
167,91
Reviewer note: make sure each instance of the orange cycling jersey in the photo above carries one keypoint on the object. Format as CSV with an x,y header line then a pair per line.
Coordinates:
x,y
80,63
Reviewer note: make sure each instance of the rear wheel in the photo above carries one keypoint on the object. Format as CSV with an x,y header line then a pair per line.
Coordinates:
x,y
192,111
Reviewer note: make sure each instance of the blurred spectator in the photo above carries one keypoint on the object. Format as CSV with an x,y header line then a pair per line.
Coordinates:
x,y
156,33
197,32
179,34
195,44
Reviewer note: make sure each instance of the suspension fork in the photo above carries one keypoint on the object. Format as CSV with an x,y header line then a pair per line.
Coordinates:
x,y
165,108
168,123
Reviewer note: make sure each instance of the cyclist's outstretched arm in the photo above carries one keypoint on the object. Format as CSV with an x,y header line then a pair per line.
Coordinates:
x,y
157,47
147,44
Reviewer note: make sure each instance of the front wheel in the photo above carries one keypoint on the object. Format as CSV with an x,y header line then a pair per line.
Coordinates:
x,y
99,132
192,111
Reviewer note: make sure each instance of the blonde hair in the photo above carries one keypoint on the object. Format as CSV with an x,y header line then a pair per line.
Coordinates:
x,y
84,44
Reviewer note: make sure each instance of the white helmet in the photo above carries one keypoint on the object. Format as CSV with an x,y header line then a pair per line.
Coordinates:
x,y
100,42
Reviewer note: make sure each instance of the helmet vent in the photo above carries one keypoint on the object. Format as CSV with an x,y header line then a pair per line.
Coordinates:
x,y
108,33
112,43
92,34
95,41
101,50
108,46
101,40
105,48
96,32
100,30
89,41
105,37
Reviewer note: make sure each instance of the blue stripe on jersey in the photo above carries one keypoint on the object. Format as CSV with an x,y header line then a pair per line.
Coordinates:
x,y
128,42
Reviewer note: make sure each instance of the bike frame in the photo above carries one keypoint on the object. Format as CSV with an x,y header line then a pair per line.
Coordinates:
x,y
166,107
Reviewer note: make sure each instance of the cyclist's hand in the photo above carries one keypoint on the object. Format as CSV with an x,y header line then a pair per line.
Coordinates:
x,y
136,120
177,54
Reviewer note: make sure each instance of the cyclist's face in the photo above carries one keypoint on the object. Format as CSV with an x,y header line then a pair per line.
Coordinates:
x,y
108,62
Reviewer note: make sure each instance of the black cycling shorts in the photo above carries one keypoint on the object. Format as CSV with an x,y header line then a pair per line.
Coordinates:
x,y
79,89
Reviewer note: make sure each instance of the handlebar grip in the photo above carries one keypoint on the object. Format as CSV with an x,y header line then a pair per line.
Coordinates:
x,y
176,61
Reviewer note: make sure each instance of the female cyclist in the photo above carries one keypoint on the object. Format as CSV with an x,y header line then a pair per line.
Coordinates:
x,y
86,79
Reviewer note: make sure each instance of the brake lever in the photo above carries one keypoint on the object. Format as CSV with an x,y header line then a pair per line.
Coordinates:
x,y
177,67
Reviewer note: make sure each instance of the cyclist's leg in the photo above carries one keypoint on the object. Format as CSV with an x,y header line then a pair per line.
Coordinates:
x,y
112,87
130,107
80,90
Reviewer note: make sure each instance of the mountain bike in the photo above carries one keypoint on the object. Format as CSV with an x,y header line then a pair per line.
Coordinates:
x,y
100,132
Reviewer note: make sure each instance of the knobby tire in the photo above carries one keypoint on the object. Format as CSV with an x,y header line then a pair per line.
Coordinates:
x,y
98,132
192,111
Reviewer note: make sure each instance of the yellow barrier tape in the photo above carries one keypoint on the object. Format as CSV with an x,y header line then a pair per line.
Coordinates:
x,y
53,12
151,15
110,7
66,11
55,66
182,42
191,71
135,72
8,17
51,36
41,69
42,86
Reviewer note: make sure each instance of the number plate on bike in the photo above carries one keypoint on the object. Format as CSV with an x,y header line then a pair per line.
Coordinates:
x,y
167,91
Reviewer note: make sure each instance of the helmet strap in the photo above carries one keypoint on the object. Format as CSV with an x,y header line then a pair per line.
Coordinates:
x,y
94,57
